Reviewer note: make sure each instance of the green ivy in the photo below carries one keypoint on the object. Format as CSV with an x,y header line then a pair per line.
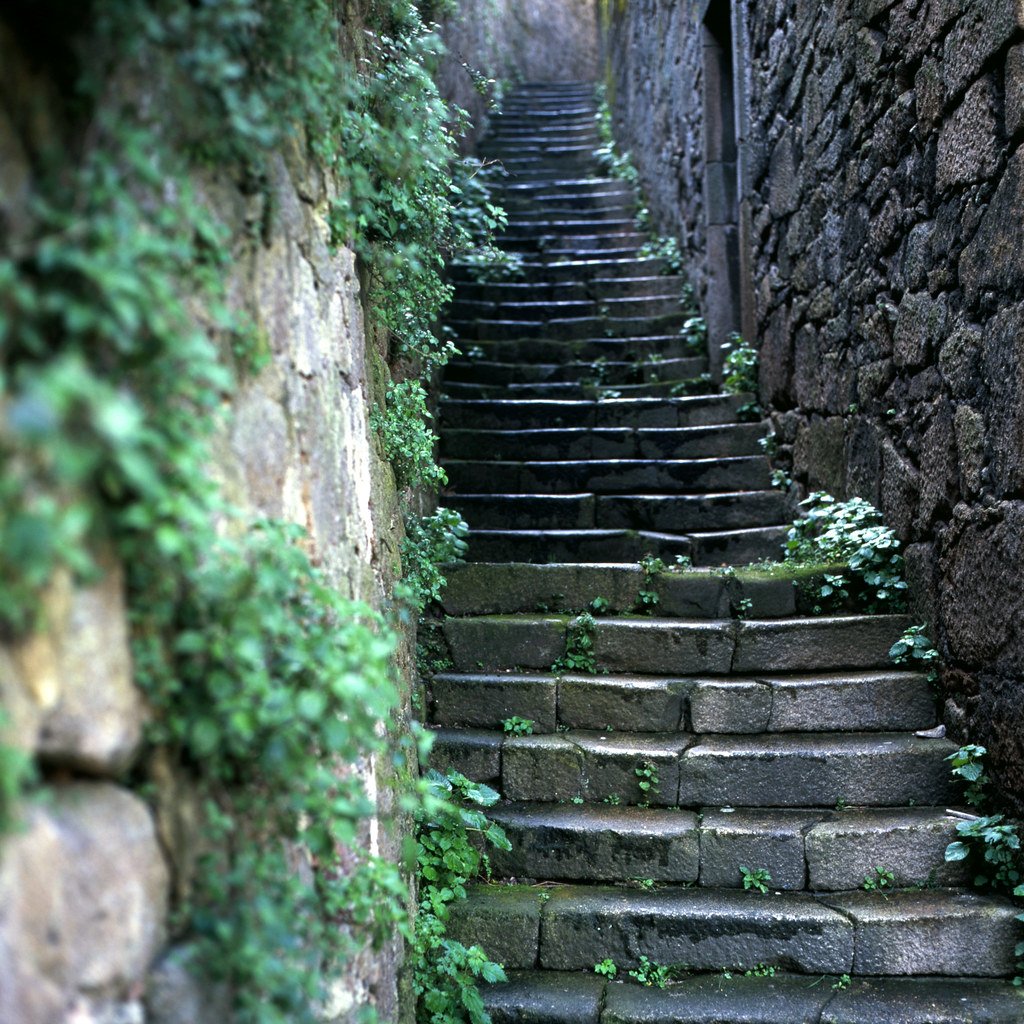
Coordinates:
x,y
430,542
407,439
446,972
740,366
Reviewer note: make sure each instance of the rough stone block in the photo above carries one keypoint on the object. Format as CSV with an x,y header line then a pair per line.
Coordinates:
x,y
699,1000
967,148
939,933
596,842
730,706
925,1001
542,768
827,643
545,997
505,641
610,764
757,839
474,752
909,842
70,687
623,703
503,919
703,928
815,770
486,701
663,646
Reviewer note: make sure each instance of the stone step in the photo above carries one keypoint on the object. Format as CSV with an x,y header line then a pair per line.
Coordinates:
x,y
810,702
575,271
529,414
566,328
569,389
570,928
659,513
542,201
611,476
719,441
664,646
659,304
505,588
817,850
524,351
738,547
562,186
771,770
595,226
573,546
479,370
514,141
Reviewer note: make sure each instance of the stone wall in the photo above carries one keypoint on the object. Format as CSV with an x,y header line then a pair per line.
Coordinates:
x,y
516,40
86,882
886,193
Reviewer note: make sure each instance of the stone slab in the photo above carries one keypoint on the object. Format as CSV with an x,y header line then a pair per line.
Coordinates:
x,y
503,919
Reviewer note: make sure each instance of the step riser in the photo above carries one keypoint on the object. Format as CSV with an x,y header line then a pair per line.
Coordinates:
x,y
597,290
693,412
706,476
479,371
598,548
614,350
891,702
576,928
575,272
572,445
673,648
645,306
568,390
598,844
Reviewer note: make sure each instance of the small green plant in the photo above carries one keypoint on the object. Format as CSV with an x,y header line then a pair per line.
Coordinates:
x,y
760,971
880,880
651,974
694,333
740,369
755,879
648,599
407,439
854,533
446,972
781,480
607,968
666,249
683,562
613,799
968,765
516,726
643,884
702,384
579,647
744,606
577,800
430,542
647,780
841,984
994,845
600,606
914,647
616,164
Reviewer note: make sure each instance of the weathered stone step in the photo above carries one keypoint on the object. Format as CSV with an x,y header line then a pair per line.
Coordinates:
x,y
658,304
738,547
541,201
503,588
574,545
734,439
526,414
596,289
524,139
566,328
567,928
771,770
782,999
594,226
813,702
553,350
817,850
816,770
575,271
478,370
661,646
563,389
622,476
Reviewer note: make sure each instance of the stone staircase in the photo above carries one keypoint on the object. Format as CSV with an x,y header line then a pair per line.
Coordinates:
x,y
765,738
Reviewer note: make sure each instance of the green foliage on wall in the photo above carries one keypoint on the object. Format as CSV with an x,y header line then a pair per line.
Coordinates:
x,y
118,349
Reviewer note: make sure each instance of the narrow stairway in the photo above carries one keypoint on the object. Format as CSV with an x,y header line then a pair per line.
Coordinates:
x,y
723,731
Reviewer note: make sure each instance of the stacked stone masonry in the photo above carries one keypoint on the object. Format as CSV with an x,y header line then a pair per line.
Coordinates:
x,y
881,173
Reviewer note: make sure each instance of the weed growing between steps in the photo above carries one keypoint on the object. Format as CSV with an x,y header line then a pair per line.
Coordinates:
x,y
914,648
579,647
446,972
989,842
851,532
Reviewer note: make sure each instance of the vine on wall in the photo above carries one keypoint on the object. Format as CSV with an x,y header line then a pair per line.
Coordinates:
x,y
118,348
